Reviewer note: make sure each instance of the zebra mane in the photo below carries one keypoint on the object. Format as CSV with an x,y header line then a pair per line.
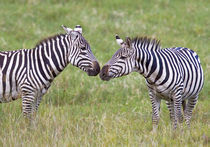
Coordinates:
x,y
48,38
155,44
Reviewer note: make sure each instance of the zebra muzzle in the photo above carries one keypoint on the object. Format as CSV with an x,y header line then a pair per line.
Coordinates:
x,y
104,73
94,71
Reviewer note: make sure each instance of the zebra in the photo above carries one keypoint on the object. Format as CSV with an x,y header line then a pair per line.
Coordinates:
x,y
172,74
28,73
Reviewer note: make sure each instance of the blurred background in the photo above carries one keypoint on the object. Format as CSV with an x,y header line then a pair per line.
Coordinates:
x,y
85,111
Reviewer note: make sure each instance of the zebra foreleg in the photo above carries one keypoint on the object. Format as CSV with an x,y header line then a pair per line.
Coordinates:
x,y
189,108
184,105
27,105
35,106
38,101
155,109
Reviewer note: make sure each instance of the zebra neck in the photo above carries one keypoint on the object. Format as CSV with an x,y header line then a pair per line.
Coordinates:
x,y
52,57
147,63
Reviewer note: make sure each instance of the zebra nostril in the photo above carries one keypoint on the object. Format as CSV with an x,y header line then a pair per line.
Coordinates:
x,y
96,66
102,75
104,72
105,69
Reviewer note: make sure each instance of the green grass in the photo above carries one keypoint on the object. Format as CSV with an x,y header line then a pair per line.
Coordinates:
x,y
84,111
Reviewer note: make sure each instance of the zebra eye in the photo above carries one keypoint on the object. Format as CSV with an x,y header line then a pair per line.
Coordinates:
x,y
122,57
83,48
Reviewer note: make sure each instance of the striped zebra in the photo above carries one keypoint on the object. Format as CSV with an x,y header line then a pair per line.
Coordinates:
x,y
28,73
173,74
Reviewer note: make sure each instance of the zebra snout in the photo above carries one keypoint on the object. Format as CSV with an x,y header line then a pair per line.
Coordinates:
x,y
96,66
95,69
104,73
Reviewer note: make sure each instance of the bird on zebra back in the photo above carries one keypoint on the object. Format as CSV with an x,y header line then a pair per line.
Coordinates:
x,y
173,74
28,73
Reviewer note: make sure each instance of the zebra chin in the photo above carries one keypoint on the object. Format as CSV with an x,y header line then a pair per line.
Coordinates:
x,y
92,72
105,78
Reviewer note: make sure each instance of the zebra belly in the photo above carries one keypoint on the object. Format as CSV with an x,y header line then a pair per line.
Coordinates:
x,y
8,93
164,96
185,95
165,93
161,92
8,97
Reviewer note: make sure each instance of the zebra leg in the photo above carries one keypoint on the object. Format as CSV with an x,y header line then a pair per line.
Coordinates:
x,y
38,101
184,105
189,108
170,106
27,104
177,100
35,106
155,109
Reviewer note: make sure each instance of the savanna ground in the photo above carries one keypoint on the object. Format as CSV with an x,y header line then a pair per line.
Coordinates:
x,y
84,111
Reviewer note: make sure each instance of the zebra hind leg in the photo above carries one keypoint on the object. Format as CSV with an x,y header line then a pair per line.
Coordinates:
x,y
177,102
189,108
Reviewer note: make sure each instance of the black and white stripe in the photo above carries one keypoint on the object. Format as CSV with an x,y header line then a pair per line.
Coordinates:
x,y
28,73
174,74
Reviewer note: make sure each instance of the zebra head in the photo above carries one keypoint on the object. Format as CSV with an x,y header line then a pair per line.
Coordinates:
x,y
79,52
121,63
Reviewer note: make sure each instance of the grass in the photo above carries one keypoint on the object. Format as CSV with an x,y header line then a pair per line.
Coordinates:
x,y
84,111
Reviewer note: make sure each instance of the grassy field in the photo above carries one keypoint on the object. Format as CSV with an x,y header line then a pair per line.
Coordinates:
x,y
84,111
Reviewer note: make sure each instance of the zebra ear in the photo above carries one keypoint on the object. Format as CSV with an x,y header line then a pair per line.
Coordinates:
x,y
118,40
78,28
68,30
74,35
128,41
